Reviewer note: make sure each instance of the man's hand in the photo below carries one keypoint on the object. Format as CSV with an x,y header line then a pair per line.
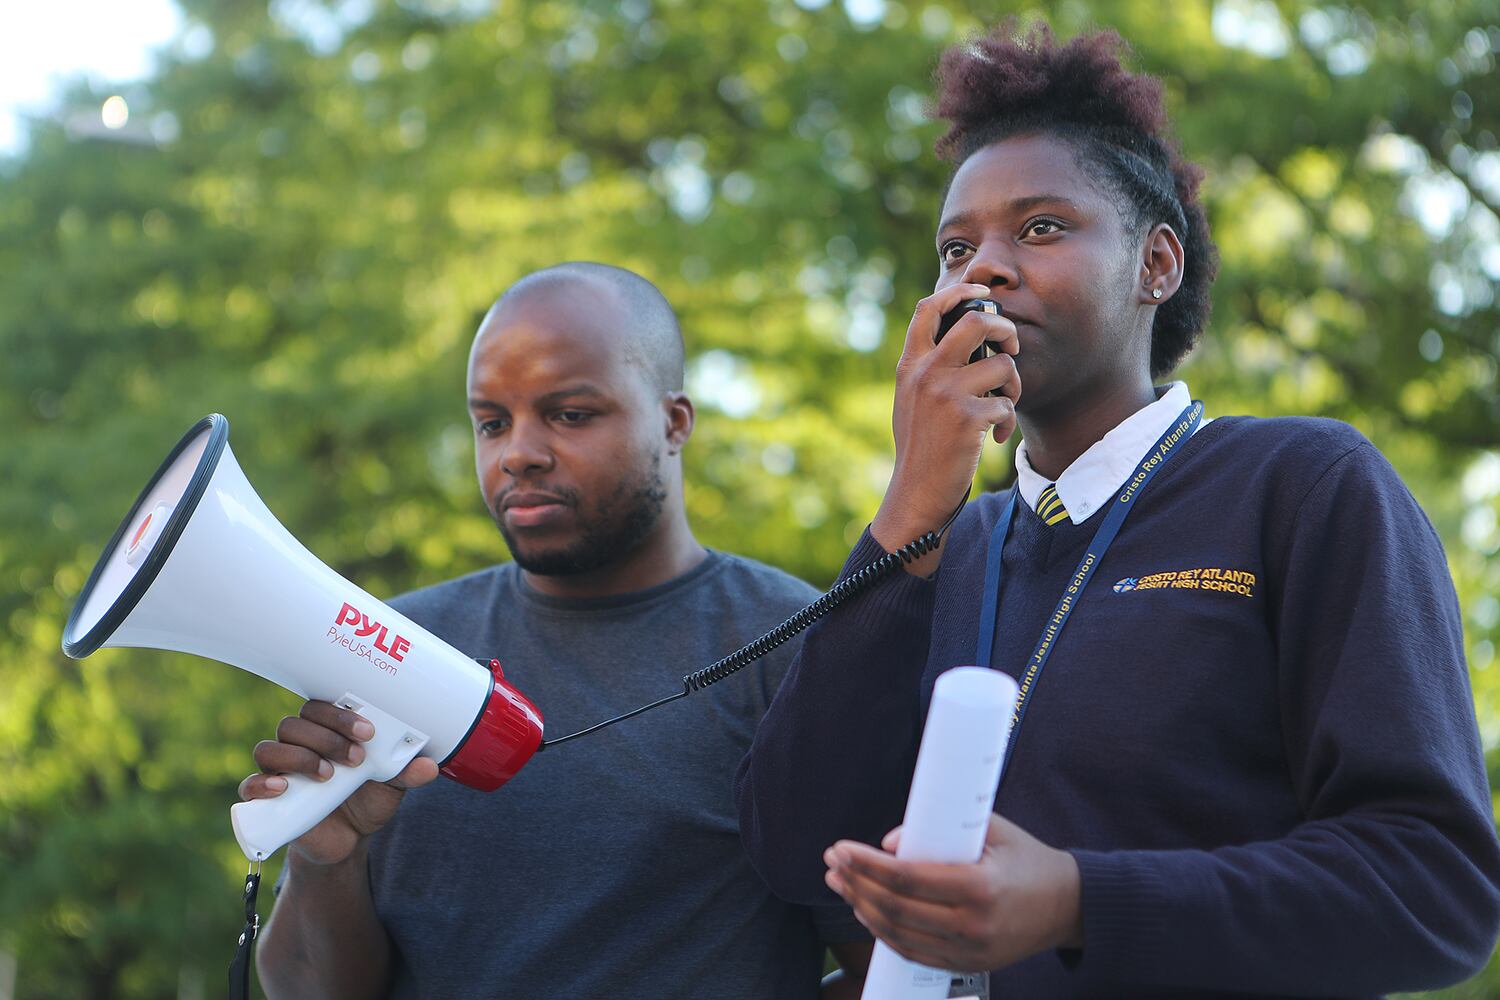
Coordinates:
x,y
311,743
1020,898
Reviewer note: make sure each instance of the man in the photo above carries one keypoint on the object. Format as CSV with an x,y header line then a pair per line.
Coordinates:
x,y
610,866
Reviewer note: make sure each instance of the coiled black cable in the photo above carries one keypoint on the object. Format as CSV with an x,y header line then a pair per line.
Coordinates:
x,y
846,589
851,586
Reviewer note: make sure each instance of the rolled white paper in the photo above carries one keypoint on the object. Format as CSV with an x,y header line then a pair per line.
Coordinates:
x,y
948,808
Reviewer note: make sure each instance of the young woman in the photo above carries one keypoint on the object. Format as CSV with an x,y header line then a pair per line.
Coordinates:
x,y
1246,759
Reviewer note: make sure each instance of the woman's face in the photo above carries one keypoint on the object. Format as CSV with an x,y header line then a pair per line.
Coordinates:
x,y
1023,218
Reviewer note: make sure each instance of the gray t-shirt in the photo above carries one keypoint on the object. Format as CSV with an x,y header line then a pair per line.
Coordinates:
x,y
611,866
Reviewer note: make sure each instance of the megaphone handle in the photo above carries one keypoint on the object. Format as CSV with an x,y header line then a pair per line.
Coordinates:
x,y
263,826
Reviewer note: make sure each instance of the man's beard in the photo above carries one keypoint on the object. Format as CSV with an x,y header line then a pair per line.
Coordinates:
x,y
613,531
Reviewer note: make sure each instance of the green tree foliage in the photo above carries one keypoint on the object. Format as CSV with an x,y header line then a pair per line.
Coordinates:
x,y
314,202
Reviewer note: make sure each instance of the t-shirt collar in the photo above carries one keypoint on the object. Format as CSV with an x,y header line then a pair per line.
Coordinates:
x,y
1095,475
713,560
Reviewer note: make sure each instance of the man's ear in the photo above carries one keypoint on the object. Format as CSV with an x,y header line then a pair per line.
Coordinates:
x,y
680,415
1161,265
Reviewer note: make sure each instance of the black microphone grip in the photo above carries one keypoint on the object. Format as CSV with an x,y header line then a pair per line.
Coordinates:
x,y
985,350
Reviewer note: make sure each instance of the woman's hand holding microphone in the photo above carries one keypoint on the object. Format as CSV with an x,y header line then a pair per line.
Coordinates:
x,y
943,412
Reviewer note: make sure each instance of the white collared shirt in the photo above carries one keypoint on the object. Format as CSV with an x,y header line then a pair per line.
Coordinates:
x,y
1098,473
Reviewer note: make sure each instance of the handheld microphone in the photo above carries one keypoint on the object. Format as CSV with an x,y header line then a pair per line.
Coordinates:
x,y
988,348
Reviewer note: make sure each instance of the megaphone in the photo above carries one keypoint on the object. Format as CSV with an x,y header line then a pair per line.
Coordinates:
x,y
199,565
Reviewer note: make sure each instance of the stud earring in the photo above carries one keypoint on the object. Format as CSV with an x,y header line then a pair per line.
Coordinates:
x,y
1156,293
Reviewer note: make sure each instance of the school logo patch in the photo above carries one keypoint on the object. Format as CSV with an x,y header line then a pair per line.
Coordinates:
x,y
1231,582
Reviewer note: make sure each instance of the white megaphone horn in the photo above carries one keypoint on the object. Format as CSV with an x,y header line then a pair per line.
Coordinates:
x,y
199,565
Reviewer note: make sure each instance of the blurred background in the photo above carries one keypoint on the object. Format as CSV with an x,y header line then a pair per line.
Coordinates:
x,y
296,213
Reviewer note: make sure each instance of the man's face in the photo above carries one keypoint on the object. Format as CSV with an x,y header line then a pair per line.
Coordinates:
x,y
568,435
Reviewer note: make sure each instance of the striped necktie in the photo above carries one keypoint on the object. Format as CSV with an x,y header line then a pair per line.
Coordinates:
x,y
1049,505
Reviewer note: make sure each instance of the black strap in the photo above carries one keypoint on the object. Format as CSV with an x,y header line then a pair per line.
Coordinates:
x,y
239,969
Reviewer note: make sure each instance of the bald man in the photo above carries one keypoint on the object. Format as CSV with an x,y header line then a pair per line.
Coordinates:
x,y
610,866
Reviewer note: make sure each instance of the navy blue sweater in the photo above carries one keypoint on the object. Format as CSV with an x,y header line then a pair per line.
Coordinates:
x,y
1256,733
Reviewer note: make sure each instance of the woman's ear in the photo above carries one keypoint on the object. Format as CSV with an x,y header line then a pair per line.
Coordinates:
x,y
1161,265
680,417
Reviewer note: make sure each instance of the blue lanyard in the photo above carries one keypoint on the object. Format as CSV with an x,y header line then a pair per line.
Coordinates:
x,y
1155,458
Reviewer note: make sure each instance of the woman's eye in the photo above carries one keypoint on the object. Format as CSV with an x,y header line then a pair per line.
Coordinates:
x,y
952,250
1043,227
489,428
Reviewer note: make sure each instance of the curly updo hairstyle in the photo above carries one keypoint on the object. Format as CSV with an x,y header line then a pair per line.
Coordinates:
x,y
1008,84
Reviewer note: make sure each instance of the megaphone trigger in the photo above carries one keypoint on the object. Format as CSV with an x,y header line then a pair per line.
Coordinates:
x,y
263,825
